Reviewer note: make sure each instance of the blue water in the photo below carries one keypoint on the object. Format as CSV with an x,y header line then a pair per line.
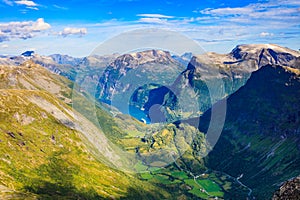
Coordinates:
x,y
139,114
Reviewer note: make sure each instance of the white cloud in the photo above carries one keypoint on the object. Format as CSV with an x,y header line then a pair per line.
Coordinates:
x,y
153,20
155,16
32,8
40,25
265,34
22,30
60,7
228,11
273,17
279,10
216,29
73,31
26,3
285,2
29,4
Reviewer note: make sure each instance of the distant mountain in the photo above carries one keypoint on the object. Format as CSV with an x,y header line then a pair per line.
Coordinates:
x,y
65,59
13,60
214,76
90,70
261,136
96,60
128,79
85,71
46,61
235,68
184,59
251,57
162,79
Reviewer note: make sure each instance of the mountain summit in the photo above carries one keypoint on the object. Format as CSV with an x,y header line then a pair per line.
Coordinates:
x,y
129,73
250,57
219,75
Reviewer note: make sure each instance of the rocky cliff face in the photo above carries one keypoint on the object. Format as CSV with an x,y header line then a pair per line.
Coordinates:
x,y
132,72
214,76
290,190
235,68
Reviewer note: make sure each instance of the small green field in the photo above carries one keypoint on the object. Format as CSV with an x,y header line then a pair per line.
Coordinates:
x,y
139,167
209,185
146,175
179,174
197,192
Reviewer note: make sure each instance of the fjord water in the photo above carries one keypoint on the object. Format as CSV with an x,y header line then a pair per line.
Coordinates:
x,y
139,114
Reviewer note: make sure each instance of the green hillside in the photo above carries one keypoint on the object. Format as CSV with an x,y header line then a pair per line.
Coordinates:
x,y
43,155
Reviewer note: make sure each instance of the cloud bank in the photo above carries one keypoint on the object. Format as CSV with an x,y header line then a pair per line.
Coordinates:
x,y
73,31
26,3
22,30
155,16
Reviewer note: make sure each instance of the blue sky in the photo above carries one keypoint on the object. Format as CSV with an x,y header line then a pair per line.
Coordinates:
x,y
77,27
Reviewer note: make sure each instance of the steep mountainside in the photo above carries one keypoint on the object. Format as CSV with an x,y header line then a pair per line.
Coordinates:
x,y
214,76
46,152
130,72
261,136
235,68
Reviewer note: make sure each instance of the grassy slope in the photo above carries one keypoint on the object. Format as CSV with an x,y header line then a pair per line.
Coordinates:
x,y
43,157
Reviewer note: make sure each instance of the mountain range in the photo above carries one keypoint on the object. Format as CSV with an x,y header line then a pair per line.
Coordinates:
x,y
215,76
63,117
